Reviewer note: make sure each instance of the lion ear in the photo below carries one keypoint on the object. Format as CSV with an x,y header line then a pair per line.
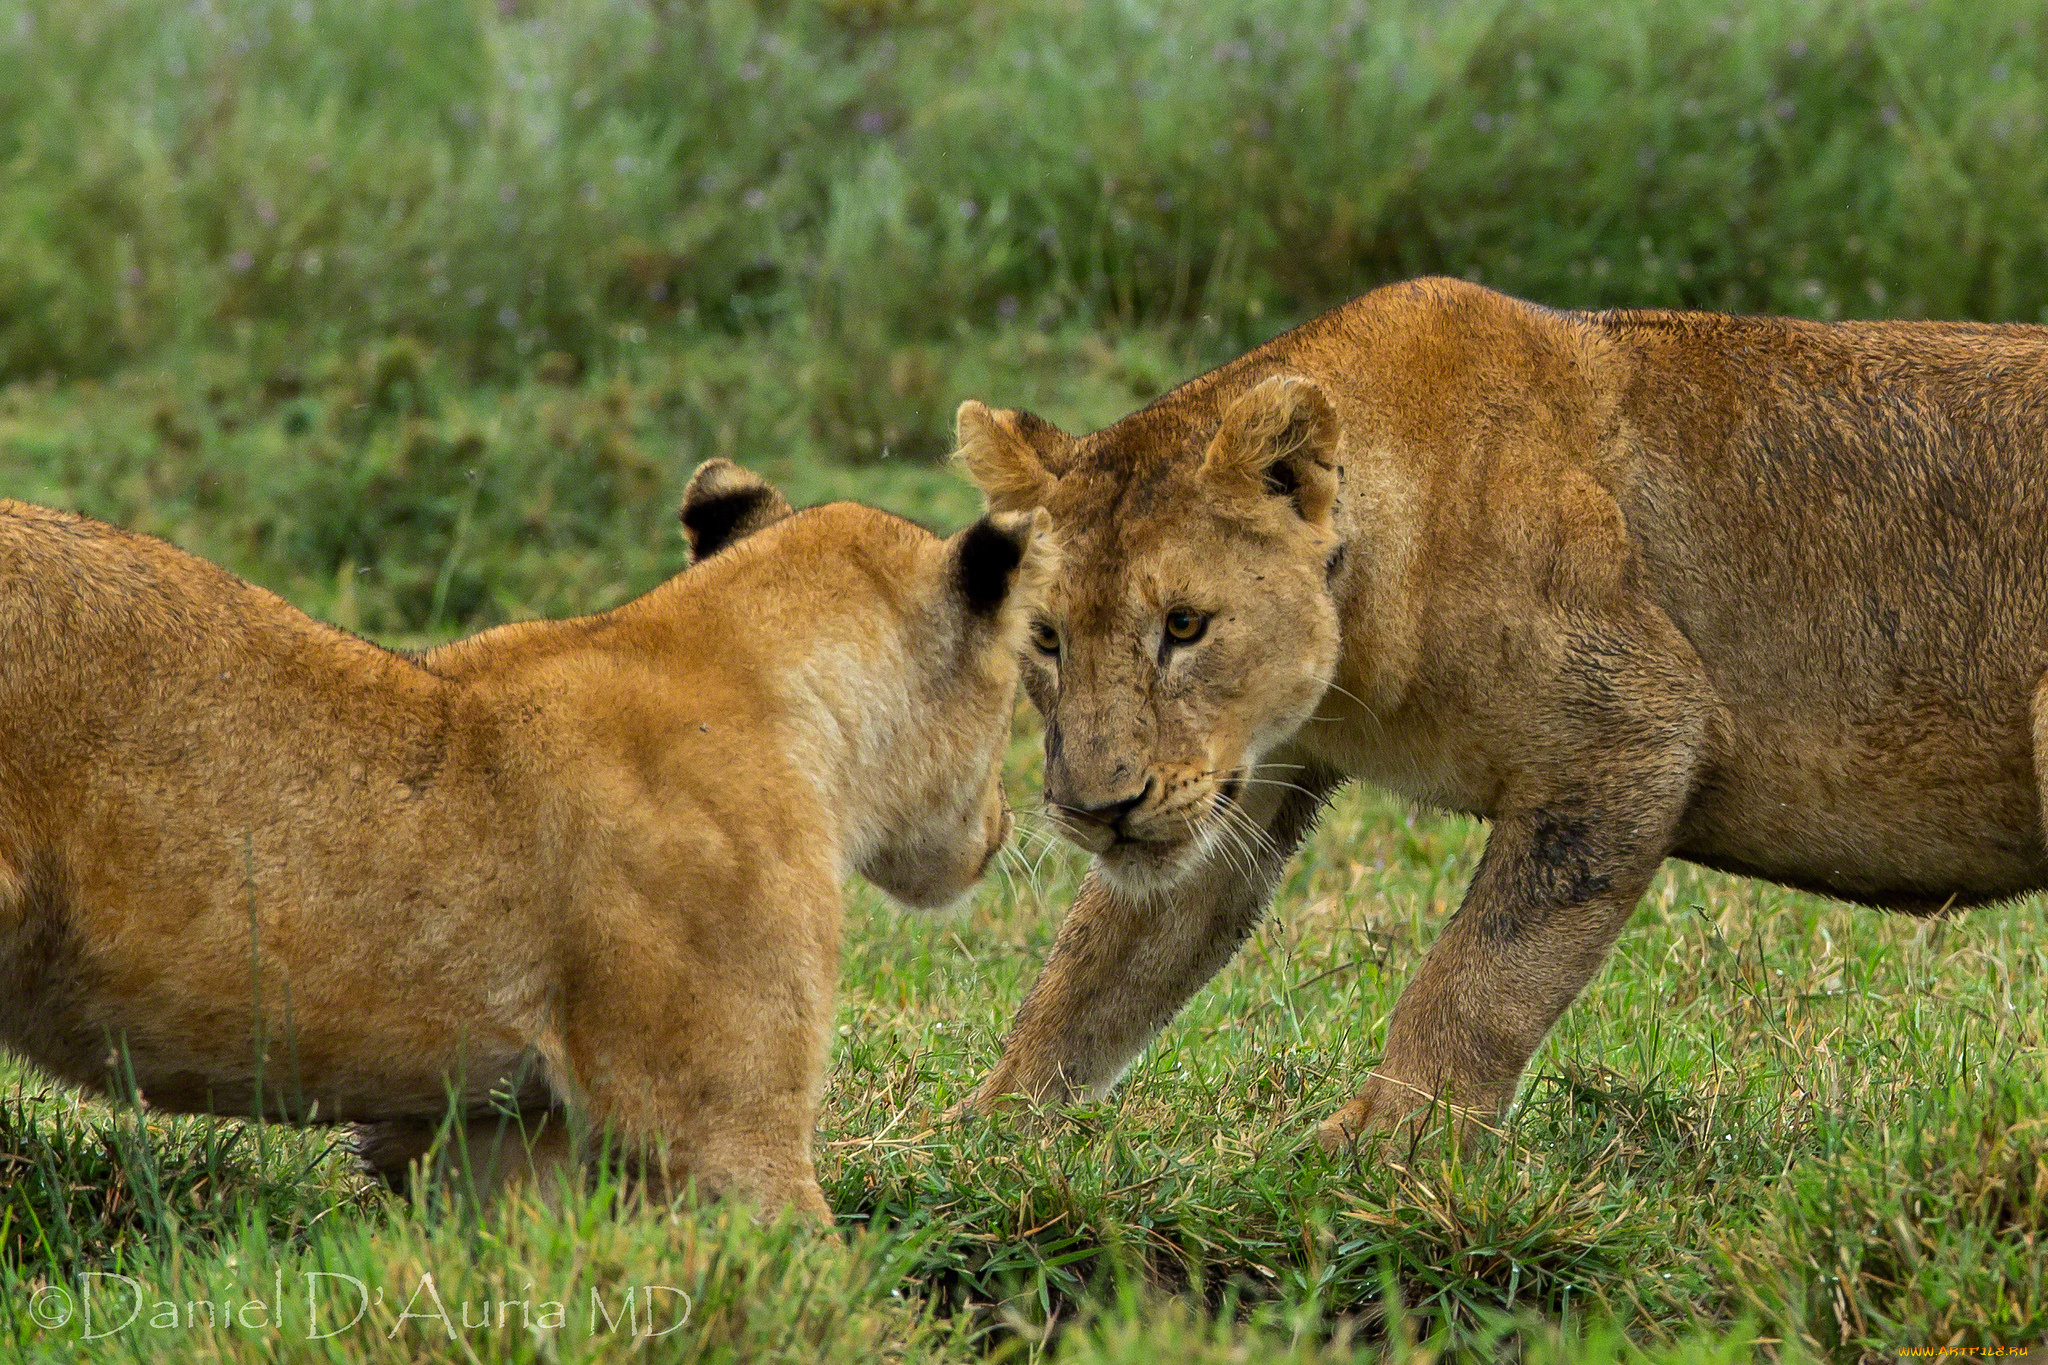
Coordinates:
x,y
1013,457
1280,439
1002,563
725,503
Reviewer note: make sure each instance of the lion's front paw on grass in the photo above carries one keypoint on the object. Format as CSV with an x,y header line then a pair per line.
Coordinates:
x,y
1390,1115
984,1106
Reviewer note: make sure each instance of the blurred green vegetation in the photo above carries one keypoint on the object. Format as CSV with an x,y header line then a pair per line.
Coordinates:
x,y
425,308
881,177
378,489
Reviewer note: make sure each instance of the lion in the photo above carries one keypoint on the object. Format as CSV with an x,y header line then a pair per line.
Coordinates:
x,y
574,880
1766,595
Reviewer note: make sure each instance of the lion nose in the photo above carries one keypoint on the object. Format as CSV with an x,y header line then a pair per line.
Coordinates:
x,y
1110,814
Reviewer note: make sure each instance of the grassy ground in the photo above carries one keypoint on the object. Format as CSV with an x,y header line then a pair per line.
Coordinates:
x,y
1774,1123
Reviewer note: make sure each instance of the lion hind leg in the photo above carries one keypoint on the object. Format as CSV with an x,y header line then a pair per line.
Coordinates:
x,y
2040,719
393,1150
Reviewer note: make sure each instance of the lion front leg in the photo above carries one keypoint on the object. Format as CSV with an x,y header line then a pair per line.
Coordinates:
x,y
1123,965
1095,1005
748,1141
702,1070
1543,911
1586,828
722,1137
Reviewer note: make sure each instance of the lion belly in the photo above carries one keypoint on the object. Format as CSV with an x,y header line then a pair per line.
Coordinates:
x,y
1859,557
193,999
1871,831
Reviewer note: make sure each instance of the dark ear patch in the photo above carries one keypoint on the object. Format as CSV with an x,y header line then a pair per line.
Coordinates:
x,y
1035,429
1282,480
987,558
1279,439
715,523
725,503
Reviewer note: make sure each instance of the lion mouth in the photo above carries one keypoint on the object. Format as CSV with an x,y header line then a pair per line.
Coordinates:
x,y
1153,863
1103,840
1158,842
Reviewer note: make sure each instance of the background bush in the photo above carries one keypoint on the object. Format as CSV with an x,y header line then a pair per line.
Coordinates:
x,y
507,180
341,293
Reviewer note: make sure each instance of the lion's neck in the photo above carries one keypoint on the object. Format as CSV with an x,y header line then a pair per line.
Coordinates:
x,y
840,690
857,731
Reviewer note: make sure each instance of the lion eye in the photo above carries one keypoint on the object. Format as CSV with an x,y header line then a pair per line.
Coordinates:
x,y
1045,638
1184,627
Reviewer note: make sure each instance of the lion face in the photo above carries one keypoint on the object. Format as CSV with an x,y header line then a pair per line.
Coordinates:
x,y
925,689
1191,630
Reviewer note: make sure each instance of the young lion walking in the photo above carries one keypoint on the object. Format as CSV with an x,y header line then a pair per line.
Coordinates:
x,y
1767,595
582,869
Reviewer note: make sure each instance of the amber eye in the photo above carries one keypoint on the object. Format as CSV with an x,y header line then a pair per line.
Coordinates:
x,y
1045,638
1184,627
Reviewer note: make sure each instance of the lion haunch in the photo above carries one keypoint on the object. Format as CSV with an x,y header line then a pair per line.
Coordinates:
x,y
585,870
1767,595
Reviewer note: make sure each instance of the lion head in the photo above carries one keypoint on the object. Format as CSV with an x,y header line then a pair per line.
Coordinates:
x,y
1192,629
935,653
949,820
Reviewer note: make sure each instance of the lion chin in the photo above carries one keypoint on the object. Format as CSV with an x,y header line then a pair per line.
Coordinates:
x,y
1146,869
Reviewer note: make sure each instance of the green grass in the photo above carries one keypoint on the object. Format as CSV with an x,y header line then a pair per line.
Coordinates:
x,y
1773,1123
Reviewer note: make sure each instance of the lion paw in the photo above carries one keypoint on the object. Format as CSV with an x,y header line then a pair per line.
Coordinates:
x,y
1386,1109
1340,1132
987,1103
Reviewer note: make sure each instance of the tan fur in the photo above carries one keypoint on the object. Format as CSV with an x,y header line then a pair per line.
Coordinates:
x,y
1768,595
585,874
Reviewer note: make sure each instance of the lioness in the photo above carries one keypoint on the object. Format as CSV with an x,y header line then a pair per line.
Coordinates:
x,y
251,863
1767,595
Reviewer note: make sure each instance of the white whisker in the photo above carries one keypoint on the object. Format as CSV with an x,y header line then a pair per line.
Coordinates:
x,y
1051,846
1003,854
1260,837
1231,850
1231,825
1026,834
1370,714
1276,782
